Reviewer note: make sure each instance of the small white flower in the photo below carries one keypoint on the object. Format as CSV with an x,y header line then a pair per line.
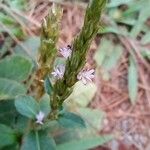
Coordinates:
x,y
40,117
59,71
65,52
86,76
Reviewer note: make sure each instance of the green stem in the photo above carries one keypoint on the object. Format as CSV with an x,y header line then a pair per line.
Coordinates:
x,y
63,88
37,140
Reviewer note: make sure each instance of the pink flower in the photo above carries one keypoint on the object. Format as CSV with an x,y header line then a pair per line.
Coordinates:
x,y
40,117
59,71
65,52
86,76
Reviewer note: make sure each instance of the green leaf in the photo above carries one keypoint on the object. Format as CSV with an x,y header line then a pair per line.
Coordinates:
x,y
45,104
15,67
11,147
27,106
9,89
67,134
7,136
17,4
108,54
38,141
20,123
146,38
82,95
85,143
111,60
132,80
143,16
5,19
145,53
92,117
7,112
48,86
102,51
9,116
116,3
5,46
70,120
31,48
115,30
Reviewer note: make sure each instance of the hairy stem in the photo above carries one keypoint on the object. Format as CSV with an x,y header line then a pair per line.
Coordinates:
x,y
47,50
81,44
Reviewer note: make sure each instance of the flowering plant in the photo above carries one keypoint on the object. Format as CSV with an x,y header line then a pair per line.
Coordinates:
x,y
36,117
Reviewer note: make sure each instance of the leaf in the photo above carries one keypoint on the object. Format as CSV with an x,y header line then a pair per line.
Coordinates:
x,y
7,136
5,19
132,80
66,135
38,141
9,89
7,112
82,95
145,53
5,46
9,116
11,147
146,38
111,61
107,57
48,86
143,16
114,30
85,143
102,51
92,117
21,123
17,4
70,120
116,3
45,104
15,67
27,106
31,48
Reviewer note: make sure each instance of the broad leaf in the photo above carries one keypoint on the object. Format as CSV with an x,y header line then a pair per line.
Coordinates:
x,y
146,38
7,136
27,106
31,46
45,104
20,123
103,51
9,89
85,143
116,3
38,141
92,117
5,19
82,95
108,55
7,112
132,81
111,60
11,147
15,67
71,120
48,86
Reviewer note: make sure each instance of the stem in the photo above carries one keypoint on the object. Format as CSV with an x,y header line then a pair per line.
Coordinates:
x,y
63,88
47,50
37,140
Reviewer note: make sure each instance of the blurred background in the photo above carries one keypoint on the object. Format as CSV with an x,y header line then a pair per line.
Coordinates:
x,y
120,54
